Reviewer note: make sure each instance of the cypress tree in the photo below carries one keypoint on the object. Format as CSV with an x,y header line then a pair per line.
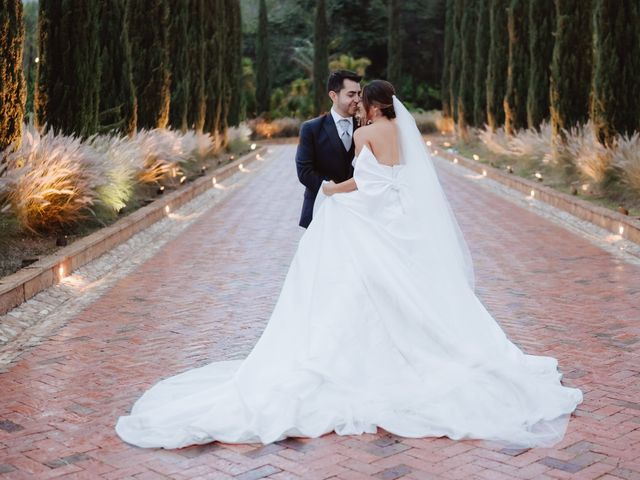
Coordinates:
x,y
446,69
30,53
236,68
12,88
149,33
197,48
248,103
394,45
615,98
68,84
483,37
227,80
214,67
320,59
570,80
118,104
467,72
515,101
541,28
179,64
263,79
498,63
456,58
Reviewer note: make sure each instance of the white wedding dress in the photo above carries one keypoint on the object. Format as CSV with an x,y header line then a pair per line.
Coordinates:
x,y
377,325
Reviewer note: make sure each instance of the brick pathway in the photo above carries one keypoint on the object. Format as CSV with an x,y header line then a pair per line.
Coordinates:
x,y
207,294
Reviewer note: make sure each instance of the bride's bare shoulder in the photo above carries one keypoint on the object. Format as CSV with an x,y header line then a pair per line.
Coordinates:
x,y
382,132
362,131
361,137
374,135
373,130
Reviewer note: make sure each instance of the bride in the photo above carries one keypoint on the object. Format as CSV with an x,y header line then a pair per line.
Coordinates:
x,y
377,325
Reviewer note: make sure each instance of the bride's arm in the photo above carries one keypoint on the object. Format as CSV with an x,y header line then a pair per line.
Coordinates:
x,y
329,188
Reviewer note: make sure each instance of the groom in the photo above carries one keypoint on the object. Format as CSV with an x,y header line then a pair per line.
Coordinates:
x,y
326,146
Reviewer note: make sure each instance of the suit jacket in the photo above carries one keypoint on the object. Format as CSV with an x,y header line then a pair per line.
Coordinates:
x,y
321,156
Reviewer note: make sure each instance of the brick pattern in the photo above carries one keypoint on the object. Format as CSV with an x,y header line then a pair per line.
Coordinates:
x,y
206,294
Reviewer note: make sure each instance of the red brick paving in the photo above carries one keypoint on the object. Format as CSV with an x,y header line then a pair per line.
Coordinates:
x,y
207,295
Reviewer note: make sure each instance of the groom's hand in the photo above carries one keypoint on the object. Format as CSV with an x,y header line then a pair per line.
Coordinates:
x,y
328,188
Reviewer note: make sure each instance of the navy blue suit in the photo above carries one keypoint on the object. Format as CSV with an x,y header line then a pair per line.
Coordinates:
x,y
321,156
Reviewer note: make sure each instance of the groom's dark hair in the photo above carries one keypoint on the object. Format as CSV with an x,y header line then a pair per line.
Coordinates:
x,y
336,79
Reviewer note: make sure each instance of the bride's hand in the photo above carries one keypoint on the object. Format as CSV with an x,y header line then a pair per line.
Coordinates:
x,y
328,188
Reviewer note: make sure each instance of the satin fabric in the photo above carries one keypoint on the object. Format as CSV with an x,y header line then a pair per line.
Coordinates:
x,y
374,327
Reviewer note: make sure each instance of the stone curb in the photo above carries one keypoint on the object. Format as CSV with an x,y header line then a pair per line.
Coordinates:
x,y
617,223
27,282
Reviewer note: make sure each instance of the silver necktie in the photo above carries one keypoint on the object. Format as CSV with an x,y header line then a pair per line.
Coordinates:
x,y
344,136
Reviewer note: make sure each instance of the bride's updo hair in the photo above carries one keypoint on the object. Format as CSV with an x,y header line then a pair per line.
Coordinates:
x,y
379,93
